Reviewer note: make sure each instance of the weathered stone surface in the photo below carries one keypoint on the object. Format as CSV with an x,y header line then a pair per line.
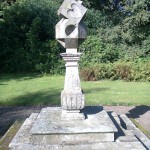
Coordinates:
x,y
98,146
72,97
71,101
70,31
26,140
72,115
123,135
96,121
131,127
128,132
23,136
70,36
72,9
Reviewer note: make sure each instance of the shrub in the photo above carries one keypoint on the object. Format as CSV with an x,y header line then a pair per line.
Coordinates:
x,y
89,74
122,70
27,35
95,51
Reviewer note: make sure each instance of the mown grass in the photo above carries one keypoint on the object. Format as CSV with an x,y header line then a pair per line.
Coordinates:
x,y
24,89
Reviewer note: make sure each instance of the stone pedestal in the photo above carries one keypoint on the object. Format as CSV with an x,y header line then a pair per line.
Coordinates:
x,y
98,131
97,127
72,97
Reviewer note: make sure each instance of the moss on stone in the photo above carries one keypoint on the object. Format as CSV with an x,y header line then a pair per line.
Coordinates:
x,y
147,133
7,138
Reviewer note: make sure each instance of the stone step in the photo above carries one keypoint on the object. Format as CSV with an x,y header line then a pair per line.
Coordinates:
x,y
27,140
96,146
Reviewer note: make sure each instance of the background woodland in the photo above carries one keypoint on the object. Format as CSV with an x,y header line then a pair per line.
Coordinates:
x,y
117,47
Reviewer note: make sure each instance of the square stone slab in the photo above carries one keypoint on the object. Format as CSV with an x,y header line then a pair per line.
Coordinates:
x,y
96,121
96,127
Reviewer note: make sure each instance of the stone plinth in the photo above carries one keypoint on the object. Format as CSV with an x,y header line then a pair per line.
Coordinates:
x,y
72,97
96,127
46,131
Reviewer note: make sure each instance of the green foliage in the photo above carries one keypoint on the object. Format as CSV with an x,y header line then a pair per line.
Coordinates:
x,y
117,46
95,51
89,74
95,20
27,36
131,33
128,71
127,32
92,4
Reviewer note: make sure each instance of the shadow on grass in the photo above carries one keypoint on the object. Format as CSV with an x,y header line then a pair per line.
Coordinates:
x,y
9,114
19,76
94,90
137,111
3,84
51,97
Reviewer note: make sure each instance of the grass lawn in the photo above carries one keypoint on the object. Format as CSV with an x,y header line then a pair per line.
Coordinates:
x,y
45,90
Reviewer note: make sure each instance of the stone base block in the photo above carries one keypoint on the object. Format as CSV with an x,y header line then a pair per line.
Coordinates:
x,y
97,146
46,131
72,115
96,127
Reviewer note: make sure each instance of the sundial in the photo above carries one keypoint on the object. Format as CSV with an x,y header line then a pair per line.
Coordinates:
x,y
73,125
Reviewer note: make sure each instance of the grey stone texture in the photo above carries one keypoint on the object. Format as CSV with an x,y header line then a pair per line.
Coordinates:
x,y
98,146
70,33
70,30
46,131
72,97
96,122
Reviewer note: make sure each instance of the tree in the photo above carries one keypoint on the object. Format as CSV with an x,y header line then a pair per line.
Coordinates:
x,y
27,36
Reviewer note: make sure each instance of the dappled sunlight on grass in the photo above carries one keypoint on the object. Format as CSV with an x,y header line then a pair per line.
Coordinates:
x,y
36,89
36,98
117,93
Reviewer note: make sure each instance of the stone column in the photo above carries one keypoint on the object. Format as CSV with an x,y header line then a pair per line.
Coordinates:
x,y
72,97
70,33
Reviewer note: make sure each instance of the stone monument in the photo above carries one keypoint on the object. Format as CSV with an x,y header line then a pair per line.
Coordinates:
x,y
70,33
74,126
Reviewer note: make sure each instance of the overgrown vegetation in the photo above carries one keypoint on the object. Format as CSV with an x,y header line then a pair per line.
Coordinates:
x,y
27,32
117,44
122,70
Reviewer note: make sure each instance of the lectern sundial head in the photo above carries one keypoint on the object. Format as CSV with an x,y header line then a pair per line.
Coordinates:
x,y
70,30
70,33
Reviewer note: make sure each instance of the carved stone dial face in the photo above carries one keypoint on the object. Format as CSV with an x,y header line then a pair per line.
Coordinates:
x,y
72,9
70,31
74,12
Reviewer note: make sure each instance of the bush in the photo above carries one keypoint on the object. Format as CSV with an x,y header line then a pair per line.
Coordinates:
x,y
128,71
89,74
27,37
95,51
123,71
95,20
